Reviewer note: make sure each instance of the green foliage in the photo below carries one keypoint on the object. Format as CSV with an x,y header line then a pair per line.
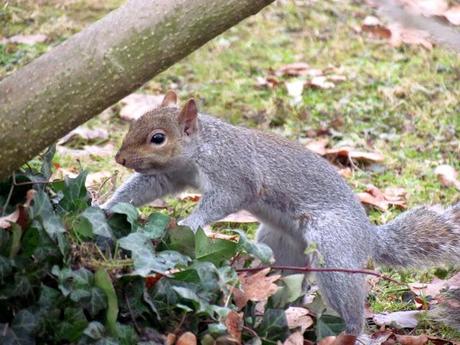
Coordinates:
x,y
69,274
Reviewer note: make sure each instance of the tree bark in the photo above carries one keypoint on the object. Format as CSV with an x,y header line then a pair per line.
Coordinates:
x,y
95,68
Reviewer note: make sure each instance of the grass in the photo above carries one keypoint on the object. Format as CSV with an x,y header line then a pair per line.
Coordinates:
x,y
402,102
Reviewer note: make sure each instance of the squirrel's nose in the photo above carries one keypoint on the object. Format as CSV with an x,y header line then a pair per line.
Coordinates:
x,y
119,159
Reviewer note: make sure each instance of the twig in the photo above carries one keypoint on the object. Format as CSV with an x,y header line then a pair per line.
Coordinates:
x,y
326,269
250,330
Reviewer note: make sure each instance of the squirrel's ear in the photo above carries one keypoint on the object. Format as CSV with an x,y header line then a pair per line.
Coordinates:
x,y
188,117
170,99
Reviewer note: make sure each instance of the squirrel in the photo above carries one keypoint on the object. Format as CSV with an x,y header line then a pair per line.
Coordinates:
x,y
297,195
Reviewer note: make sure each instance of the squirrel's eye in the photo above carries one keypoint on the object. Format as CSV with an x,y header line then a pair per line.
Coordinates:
x,y
158,138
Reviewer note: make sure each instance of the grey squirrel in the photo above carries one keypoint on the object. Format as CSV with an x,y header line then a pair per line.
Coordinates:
x,y
297,195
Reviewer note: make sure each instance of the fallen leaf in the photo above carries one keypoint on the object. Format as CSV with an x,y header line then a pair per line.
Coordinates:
x,y
401,35
448,176
298,317
86,134
295,338
186,196
218,235
321,82
137,104
255,287
399,319
375,197
295,89
95,179
412,339
373,25
293,69
242,216
268,81
381,337
434,288
453,15
27,39
318,146
19,215
188,338
351,153
234,323
426,7
158,203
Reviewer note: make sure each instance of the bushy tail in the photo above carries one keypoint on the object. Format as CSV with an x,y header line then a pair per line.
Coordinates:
x,y
448,311
422,237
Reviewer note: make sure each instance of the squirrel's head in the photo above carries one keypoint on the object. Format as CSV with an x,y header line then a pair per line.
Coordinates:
x,y
159,140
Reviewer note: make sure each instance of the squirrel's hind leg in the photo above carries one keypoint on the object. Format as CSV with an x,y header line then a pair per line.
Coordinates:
x,y
286,250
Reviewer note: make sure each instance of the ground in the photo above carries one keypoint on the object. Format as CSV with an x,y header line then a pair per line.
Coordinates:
x,y
399,101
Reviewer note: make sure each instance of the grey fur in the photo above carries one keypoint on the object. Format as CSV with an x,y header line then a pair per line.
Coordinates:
x,y
299,198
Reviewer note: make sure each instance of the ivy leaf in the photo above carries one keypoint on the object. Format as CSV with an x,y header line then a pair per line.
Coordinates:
x,y
25,322
156,225
328,325
129,211
95,330
11,337
213,250
96,217
75,195
73,325
259,250
289,292
274,325
43,211
182,239
5,268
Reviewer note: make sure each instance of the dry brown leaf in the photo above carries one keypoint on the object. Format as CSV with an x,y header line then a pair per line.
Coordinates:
x,y
426,7
95,179
401,35
295,338
188,338
185,196
19,215
293,69
448,176
239,217
373,25
298,317
412,339
218,235
453,15
158,203
137,104
86,134
322,82
27,39
434,288
234,324
375,197
318,146
268,81
351,153
382,337
258,286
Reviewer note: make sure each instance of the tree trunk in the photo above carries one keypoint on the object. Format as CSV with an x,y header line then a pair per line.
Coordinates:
x,y
95,68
